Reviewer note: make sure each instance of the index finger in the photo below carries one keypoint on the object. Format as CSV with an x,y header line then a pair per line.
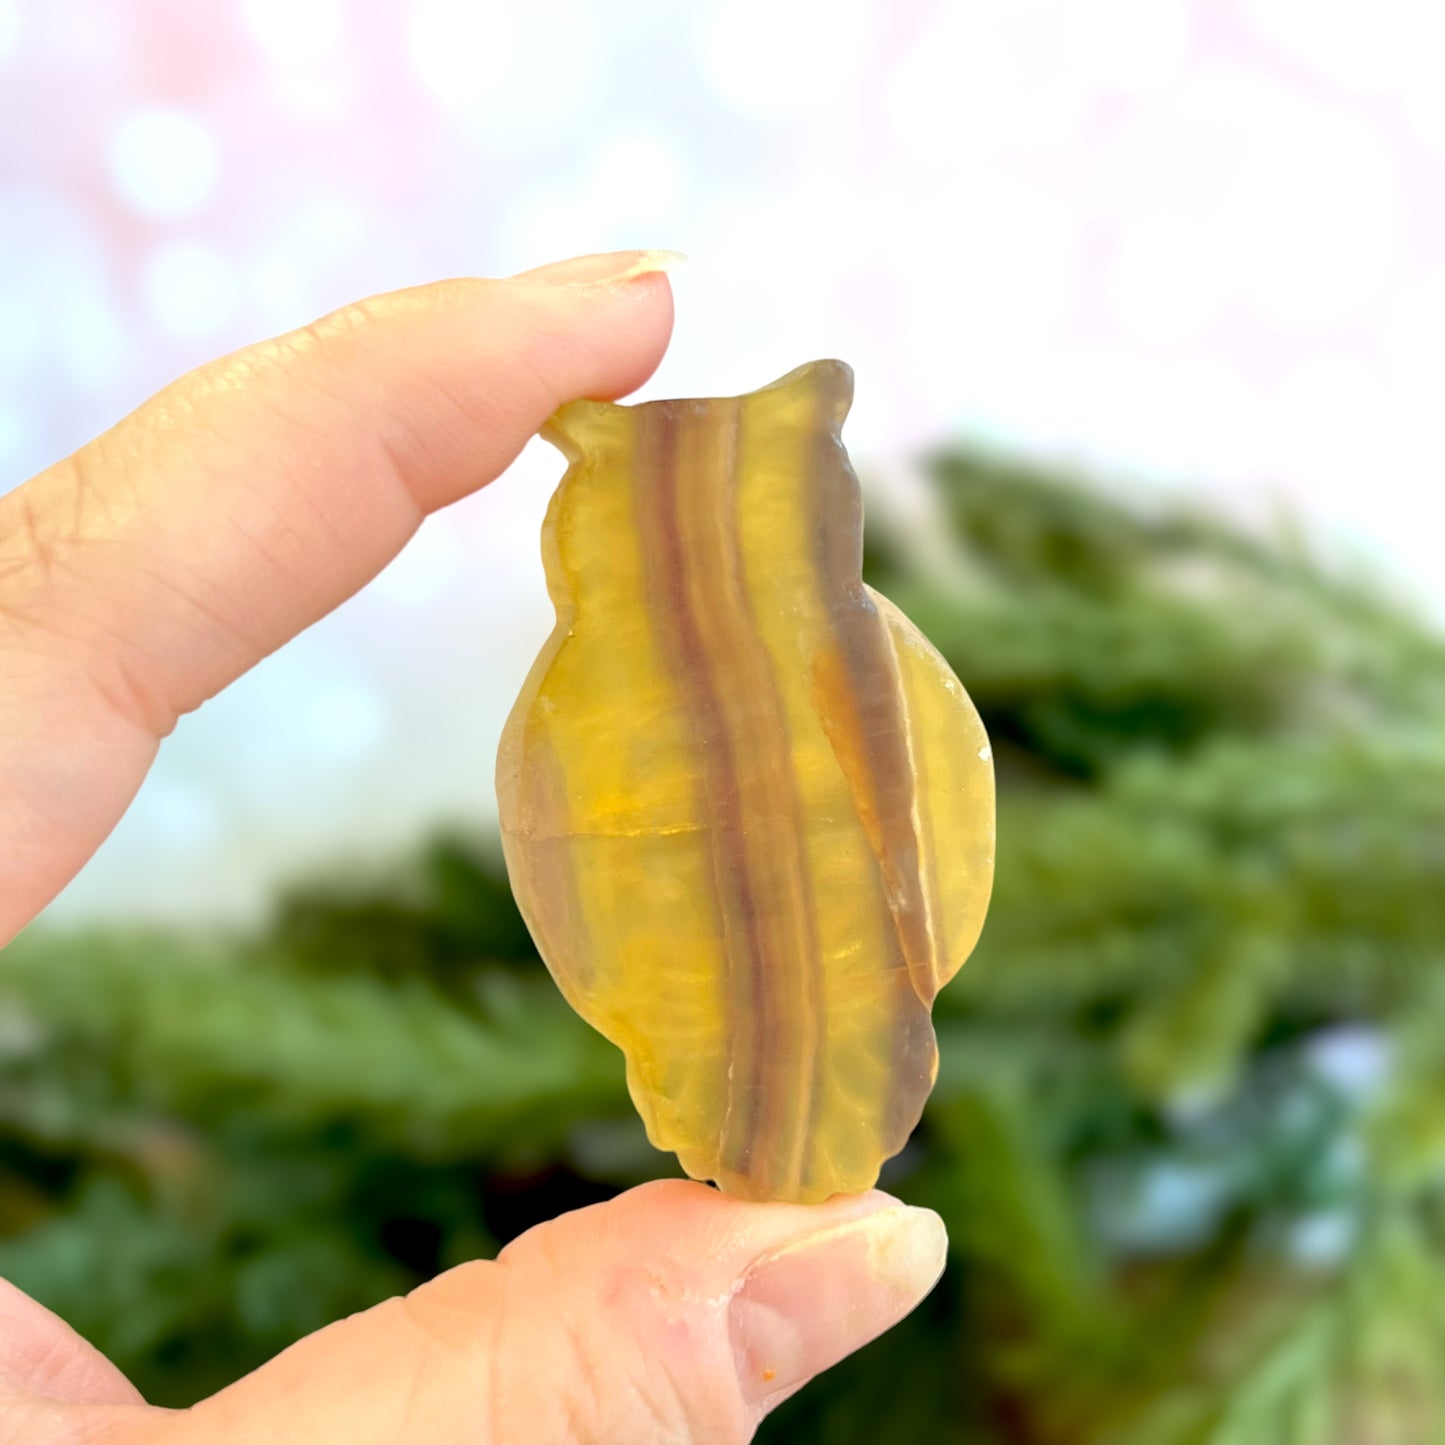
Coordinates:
x,y
145,572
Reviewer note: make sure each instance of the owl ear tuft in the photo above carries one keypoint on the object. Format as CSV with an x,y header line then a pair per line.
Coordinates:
x,y
578,428
827,383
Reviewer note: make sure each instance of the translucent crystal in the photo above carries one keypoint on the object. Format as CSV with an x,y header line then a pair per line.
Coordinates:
x,y
746,806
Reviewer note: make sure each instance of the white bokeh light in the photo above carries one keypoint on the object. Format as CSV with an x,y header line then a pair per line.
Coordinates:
x,y
1334,423
190,288
1182,420
1324,1239
638,177
1356,1060
1319,208
9,29
90,338
1424,109
12,436
628,195
21,333
179,815
992,78
1413,340
1387,48
1167,285
296,730
458,47
425,569
1299,203
319,253
287,275
993,269
480,59
61,323
769,58
340,721
283,287
968,87
1128,45
164,162
546,222
295,32
1368,46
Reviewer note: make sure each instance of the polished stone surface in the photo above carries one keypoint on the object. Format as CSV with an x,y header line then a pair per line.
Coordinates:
x,y
747,808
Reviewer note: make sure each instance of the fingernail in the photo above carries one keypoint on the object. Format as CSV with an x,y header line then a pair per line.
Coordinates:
x,y
805,1306
605,268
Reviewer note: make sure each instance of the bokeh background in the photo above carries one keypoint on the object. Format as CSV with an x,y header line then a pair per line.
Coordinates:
x,y
1146,300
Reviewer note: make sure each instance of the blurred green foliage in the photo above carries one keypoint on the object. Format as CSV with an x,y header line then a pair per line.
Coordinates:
x,y
1189,1133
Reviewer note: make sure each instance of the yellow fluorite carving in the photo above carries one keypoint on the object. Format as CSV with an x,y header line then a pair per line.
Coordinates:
x,y
746,806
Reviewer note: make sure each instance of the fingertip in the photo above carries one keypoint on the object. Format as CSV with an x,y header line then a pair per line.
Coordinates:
x,y
41,1355
494,359
698,1232
650,312
806,1305
604,268
801,1286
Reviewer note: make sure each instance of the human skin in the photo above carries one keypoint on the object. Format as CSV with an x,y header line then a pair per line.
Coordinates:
x,y
151,568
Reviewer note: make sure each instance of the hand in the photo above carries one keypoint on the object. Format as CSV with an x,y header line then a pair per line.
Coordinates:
x,y
140,576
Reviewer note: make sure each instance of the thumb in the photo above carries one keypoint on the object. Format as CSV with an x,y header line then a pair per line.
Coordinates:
x,y
668,1314
41,1356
